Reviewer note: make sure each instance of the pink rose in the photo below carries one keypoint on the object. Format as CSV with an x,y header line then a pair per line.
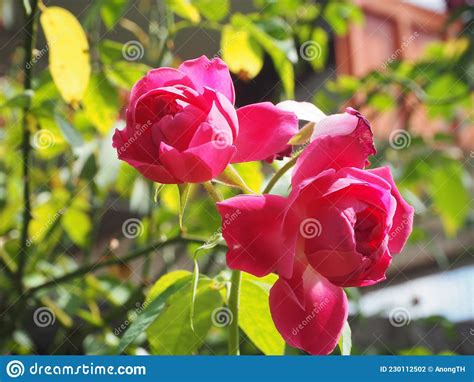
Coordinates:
x,y
182,125
339,227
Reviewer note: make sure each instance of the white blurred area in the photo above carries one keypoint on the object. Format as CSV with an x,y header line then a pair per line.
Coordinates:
x,y
432,5
448,294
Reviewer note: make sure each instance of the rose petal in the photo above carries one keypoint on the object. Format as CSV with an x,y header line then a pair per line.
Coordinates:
x,y
255,236
315,324
264,130
211,73
403,218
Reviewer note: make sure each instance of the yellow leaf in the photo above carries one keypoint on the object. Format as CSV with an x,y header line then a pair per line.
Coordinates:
x,y
241,52
68,52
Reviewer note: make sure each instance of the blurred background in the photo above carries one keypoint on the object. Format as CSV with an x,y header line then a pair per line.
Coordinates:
x,y
95,243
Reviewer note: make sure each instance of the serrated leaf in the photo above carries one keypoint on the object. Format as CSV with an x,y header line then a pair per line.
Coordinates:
x,y
153,309
255,317
171,333
69,60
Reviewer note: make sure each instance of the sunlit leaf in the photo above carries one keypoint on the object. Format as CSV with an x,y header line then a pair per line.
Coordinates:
x,y
68,52
241,52
185,9
255,317
345,341
111,11
214,10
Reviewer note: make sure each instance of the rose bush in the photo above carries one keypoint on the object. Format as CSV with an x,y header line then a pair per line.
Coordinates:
x,y
182,126
339,227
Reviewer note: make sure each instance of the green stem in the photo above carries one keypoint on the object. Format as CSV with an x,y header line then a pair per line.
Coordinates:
x,y
25,146
234,301
115,261
234,294
275,178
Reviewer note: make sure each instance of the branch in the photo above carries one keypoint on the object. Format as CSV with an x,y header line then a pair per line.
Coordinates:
x,y
107,263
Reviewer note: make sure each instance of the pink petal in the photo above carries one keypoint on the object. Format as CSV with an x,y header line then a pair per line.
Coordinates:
x,y
196,164
213,74
403,218
314,324
255,236
341,140
264,130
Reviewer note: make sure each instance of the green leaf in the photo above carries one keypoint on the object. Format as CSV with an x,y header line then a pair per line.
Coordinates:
x,y
154,307
254,314
193,297
241,52
304,135
125,74
251,173
77,225
171,332
183,199
318,57
449,195
166,281
345,341
101,103
214,10
281,62
20,100
185,9
231,177
111,11
71,135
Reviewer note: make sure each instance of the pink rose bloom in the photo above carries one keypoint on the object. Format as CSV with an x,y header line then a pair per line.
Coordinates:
x,y
182,126
339,227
